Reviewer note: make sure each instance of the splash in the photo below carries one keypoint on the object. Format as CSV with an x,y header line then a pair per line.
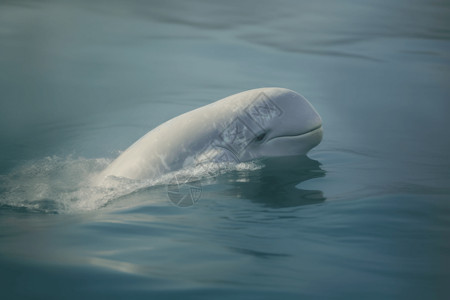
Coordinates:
x,y
52,184
65,185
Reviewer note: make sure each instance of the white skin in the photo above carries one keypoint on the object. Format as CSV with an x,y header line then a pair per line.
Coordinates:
x,y
250,125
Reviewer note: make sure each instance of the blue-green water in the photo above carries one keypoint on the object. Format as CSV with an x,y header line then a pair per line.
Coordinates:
x,y
366,215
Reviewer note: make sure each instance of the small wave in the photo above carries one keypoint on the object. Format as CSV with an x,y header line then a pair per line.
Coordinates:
x,y
65,185
49,185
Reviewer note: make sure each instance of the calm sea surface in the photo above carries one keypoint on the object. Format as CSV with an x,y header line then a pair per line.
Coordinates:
x,y
365,216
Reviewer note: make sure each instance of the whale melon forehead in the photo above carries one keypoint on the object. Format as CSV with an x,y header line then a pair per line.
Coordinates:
x,y
256,102
267,107
252,96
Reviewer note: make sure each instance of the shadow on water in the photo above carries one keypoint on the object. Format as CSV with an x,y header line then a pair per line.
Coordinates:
x,y
274,185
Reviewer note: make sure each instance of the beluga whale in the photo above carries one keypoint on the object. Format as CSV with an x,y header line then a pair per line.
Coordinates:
x,y
253,124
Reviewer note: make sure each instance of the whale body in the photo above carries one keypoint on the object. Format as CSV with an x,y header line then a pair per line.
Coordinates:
x,y
249,125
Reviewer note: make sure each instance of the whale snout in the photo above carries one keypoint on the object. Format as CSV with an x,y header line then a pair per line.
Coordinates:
x,y
285,145
298,116
297,130
310,127
312,122
308,119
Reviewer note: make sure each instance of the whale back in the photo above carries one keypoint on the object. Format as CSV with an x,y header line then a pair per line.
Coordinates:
x,y
171,144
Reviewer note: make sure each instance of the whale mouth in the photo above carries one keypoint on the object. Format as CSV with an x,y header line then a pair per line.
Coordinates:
x,y
317,128
309,132
296,144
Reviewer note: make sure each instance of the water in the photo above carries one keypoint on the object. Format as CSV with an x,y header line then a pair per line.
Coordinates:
x,y
365,215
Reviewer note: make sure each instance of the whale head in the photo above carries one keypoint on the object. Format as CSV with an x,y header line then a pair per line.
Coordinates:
x,y
275,122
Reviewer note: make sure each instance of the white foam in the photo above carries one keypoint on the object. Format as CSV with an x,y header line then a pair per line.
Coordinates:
x,y
65,185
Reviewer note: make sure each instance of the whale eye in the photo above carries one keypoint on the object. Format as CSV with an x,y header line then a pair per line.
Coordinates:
x,y
260,137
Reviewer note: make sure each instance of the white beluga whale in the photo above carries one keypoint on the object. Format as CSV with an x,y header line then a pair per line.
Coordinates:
x,y
253,124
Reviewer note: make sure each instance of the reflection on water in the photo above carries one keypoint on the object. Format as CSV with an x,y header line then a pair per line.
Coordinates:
x,y
275,184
